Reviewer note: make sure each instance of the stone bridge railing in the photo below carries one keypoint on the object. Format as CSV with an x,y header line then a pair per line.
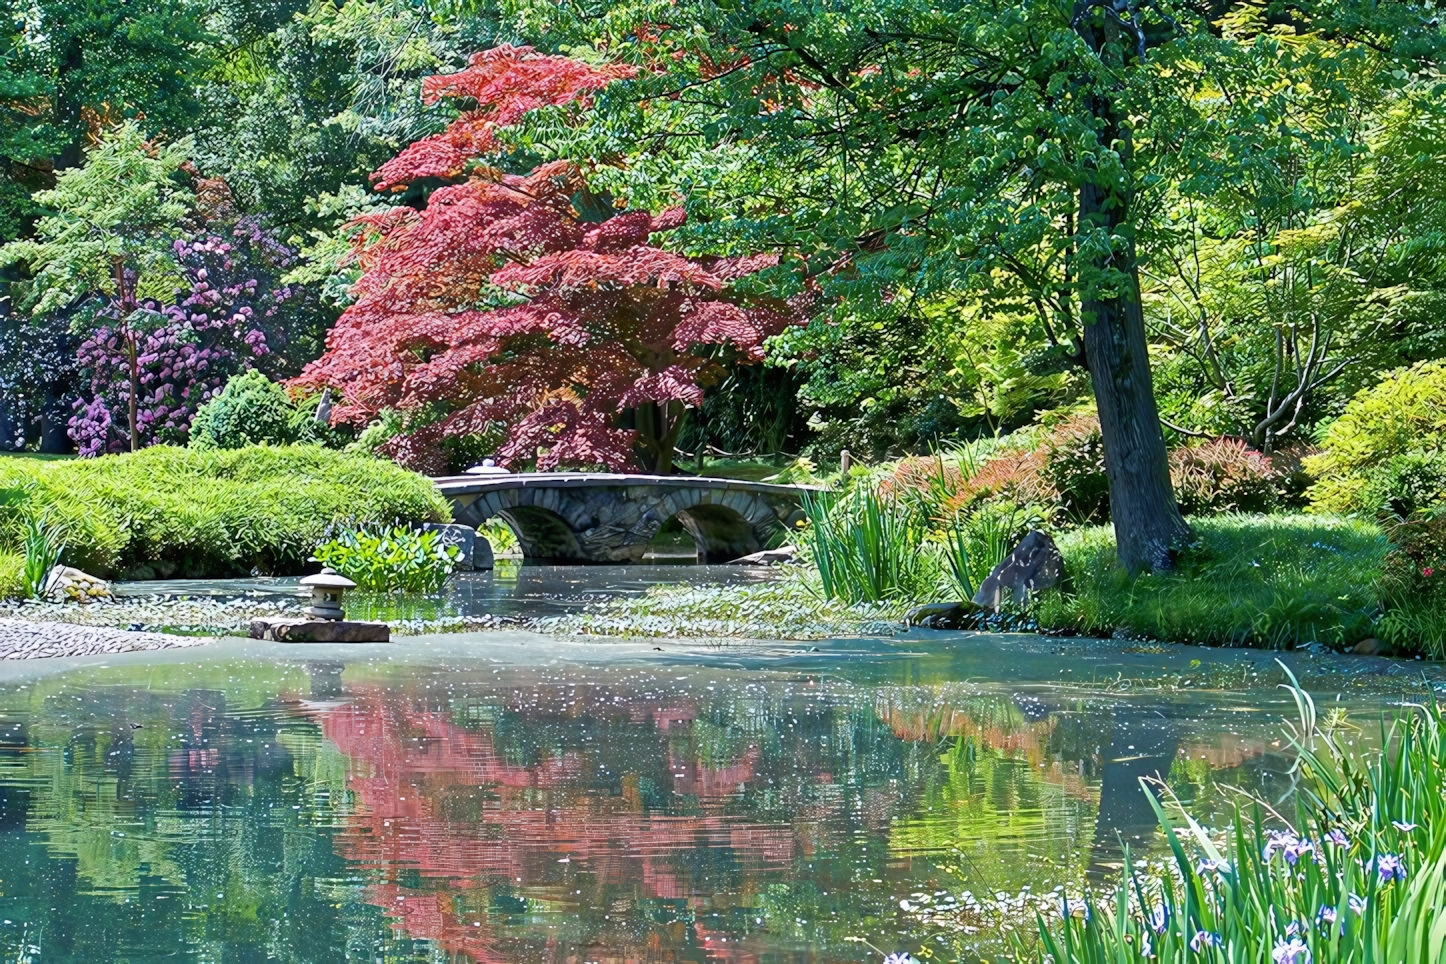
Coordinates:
x,y
568,518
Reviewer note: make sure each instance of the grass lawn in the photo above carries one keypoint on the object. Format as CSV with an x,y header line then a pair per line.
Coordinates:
x,y
1274,581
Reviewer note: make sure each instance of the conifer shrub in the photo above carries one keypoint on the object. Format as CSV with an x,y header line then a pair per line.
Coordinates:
x,y
1063,473
174,512
250,410
12,575
1225,475
1387,451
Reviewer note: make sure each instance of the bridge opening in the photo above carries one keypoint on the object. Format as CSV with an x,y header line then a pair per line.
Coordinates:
x,y
672,545
546,539
719,533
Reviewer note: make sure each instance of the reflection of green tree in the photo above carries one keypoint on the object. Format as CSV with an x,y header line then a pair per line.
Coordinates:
x,y
1000,818
131,854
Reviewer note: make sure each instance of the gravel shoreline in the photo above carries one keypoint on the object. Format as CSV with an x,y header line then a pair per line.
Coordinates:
x,y
22,639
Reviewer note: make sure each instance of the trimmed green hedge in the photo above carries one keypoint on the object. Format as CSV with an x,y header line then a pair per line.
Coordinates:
x,y
1250,580
173,512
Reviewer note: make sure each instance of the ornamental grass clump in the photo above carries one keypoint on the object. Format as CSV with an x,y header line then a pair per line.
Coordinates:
x,y
869,547
395,560
43,548
1359,875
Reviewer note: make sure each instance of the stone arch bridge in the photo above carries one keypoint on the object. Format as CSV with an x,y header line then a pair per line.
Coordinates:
x,y
566,518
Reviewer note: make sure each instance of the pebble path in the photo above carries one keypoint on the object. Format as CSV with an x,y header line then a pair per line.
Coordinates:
x,y
20,639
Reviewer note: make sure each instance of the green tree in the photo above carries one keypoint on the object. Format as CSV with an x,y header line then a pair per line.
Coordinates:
x,y
68,68
1314,262
917,146
107,243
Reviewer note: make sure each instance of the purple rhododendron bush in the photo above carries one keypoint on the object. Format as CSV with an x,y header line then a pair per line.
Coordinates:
x,y
233,315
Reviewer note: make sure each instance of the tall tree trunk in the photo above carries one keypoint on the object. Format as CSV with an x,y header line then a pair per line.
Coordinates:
x,y
1147,520
128,335
135,378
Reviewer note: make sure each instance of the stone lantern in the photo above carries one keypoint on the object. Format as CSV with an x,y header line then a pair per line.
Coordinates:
x,y
326,588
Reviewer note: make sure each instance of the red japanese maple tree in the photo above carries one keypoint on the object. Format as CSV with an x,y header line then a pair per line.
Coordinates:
x,y
501,307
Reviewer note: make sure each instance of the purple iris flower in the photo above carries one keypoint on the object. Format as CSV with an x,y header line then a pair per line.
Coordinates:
x,y
1389,866
1293,951
1204,939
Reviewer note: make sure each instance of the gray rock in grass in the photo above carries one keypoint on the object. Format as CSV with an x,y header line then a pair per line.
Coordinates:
x,y
1034,566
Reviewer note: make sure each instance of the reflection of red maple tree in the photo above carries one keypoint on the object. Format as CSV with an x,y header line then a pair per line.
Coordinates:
x,y
414,764
500,304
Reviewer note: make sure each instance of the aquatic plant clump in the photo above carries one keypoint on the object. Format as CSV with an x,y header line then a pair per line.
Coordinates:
x,y
789,608
395,560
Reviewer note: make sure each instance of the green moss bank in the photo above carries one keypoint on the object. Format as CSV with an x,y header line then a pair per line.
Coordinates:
x,y
1272,581
174,512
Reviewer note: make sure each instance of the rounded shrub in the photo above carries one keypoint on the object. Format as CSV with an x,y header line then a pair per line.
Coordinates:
x,y
1384,454
1074,466
250,410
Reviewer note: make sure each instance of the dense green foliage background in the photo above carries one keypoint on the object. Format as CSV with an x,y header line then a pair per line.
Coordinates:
x,y
1287,167
1276,174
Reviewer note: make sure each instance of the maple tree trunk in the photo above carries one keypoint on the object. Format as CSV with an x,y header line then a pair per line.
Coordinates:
x,y
658,429
1147,520
127,306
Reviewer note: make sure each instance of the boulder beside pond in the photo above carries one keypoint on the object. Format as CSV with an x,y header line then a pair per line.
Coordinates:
x,y
939,615
65,584
475,551
1033,566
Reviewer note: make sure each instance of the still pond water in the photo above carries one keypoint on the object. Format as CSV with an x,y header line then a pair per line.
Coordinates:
x,y
506,797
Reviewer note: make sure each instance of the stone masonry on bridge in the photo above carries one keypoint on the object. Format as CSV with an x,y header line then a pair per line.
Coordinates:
x,y
568,518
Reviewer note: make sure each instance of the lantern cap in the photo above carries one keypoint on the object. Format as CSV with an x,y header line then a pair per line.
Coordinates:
x,y
328,578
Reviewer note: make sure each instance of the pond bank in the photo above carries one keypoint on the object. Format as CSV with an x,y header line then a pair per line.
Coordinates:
x,y
23,639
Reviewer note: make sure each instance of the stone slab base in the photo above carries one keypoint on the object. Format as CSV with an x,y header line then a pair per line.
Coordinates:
x,y
320,631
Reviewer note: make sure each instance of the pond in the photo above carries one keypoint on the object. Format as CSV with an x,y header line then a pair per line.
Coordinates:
x,y
511,797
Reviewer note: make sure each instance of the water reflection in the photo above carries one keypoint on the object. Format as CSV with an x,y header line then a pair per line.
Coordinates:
x,y
509,590
350,809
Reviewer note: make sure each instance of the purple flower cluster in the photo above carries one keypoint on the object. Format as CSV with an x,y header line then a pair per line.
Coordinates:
x,y
1293,951
1288,845
1204,939
233,315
